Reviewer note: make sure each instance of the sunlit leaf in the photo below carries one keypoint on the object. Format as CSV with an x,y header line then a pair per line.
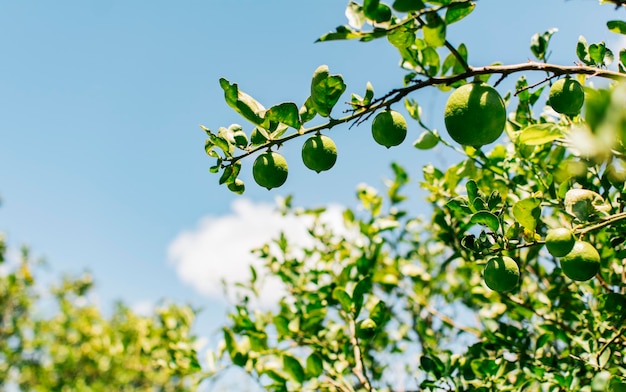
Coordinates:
x,y
538,134
527,212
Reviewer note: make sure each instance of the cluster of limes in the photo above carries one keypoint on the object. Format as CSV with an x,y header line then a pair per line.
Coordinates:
x,y
579,259
474,115
319,153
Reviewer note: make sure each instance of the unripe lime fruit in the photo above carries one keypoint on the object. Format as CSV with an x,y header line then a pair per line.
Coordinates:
x,y
560,241
366,329
270,170
566,96
319,153
582,262
475,115
389,128
426,141
501,273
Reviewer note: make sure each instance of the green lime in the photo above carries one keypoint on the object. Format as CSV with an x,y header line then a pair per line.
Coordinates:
x,y
426,141
560,241
582,262
389,128
366,329
566,96
501,273
319,153
270,170
475,115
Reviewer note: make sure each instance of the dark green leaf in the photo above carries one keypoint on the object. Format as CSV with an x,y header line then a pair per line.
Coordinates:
x,y
314,365
582,51
237,186
408,5
286,113
344,299
458,11
231,343
379,314
243,104
259,136
363,287
617,26
472,190
486,218
293,367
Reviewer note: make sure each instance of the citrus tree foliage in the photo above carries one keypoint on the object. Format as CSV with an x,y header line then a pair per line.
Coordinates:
x,y
396,302
61,341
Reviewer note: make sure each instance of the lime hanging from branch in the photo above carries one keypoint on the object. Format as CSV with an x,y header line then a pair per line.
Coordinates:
x,y
475,115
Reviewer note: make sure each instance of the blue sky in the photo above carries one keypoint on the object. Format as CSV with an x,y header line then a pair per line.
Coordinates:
x,y
102,165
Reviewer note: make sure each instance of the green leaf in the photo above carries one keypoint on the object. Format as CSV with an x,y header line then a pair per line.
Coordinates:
x,y
259,136
293,367
307,111
527,212
600,54
223,144
344,299
237,186
472,190
616,26
413,108
431,60
458,11
274,375
230,342
326,90
485,218
243,104
356,16
363,287
239,136
622,60
435,30
539,43
379,313
582,51
314,365
408,5
537,134
340,33
402,37
286,113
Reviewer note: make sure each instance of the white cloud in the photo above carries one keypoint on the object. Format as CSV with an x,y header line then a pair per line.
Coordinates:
x,y
220,247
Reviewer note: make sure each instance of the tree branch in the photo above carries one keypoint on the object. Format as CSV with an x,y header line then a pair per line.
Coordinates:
x,y
397,95
359,369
